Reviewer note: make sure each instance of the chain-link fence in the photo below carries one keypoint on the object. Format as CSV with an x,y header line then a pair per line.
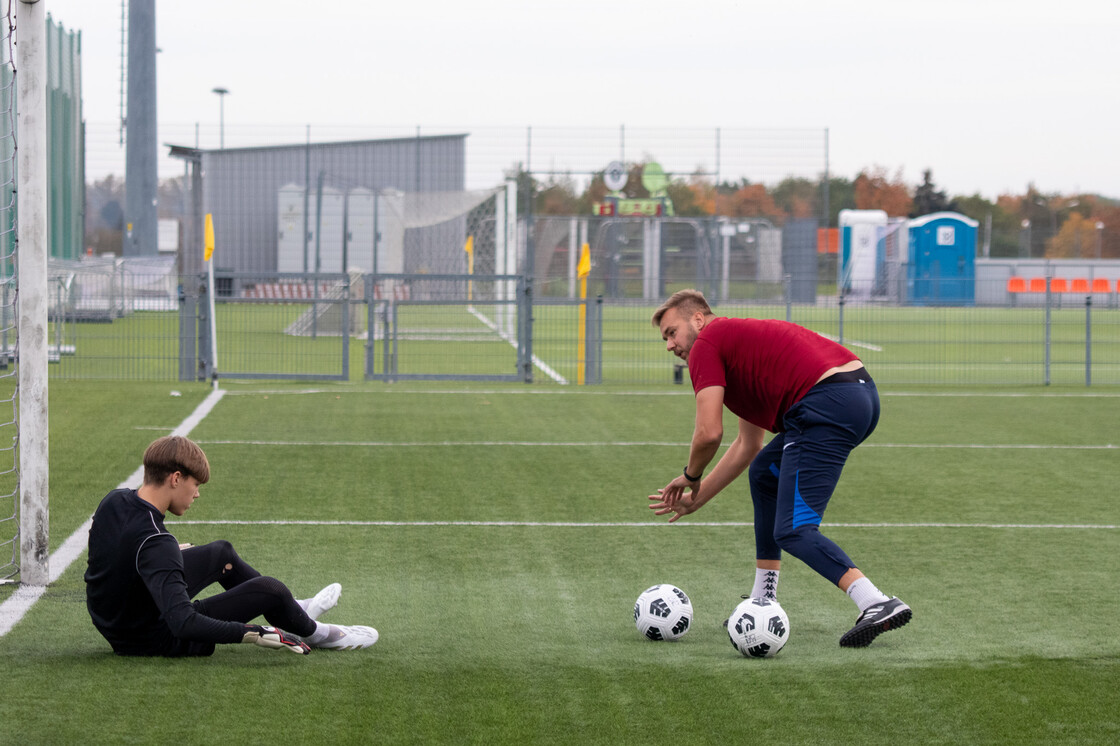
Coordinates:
x,y
416,223
1018,325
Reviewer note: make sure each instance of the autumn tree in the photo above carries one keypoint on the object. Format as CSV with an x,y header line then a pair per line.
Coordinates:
x,y
1109,216
692,197
874,190
1076,239
751,201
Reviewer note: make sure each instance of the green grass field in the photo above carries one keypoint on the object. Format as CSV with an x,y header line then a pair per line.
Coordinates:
x,y
497,536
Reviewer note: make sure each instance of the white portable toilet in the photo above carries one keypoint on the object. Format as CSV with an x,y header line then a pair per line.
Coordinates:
x,y
325,255
859,248
360,230
290,243
389,213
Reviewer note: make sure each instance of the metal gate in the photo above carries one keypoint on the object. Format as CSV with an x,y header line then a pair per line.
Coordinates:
x,y
448,327
289,326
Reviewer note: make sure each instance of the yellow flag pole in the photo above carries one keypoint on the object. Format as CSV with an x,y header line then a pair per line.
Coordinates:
x,y
207,255
583,270
469,248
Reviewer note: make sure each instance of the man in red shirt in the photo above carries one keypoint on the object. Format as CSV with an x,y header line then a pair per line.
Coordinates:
x,y
820,403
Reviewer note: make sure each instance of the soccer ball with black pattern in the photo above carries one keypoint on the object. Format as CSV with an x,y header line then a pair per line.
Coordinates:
x,y
663,612
758,628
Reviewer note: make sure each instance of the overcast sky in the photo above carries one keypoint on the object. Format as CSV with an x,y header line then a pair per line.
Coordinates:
x,y
990,94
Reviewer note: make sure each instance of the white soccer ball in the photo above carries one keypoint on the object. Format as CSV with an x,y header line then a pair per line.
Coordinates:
x,y
663,612
758,628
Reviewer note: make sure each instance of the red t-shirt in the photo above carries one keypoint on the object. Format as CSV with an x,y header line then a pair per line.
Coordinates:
x,y
764,365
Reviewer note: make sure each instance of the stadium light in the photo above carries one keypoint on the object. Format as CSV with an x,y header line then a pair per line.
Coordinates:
x,y
222,93
1049,205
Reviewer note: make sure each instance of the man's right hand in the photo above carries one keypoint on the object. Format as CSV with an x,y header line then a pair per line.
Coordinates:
x,y
270,637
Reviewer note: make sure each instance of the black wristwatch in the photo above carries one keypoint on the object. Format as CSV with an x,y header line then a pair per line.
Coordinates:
x,y
689,477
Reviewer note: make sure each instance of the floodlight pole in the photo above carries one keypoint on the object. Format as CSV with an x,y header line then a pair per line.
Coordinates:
x,y
222,93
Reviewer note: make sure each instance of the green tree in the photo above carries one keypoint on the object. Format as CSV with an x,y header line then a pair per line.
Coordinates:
x,y
557,196
688,197
841,196
929,199
1005,232
798,197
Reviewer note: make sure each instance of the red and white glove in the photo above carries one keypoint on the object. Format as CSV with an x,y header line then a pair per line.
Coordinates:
x,y
270,637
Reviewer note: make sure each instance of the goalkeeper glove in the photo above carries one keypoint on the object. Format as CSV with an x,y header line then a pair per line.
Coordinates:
x,y
270,637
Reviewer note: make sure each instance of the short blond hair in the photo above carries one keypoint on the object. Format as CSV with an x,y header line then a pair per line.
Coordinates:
x,y
687,302
174,453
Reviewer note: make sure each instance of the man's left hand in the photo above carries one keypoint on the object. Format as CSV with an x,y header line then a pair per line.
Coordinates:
x,y
673,499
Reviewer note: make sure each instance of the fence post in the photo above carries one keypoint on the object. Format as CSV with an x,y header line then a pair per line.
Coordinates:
x,y
787,292
525,327
371,318
593,355
840,330
205,364
187,320
346,328
1046,333
1088,341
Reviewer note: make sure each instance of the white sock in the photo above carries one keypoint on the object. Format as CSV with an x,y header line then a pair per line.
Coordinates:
x,y
865,595
321,633
765,584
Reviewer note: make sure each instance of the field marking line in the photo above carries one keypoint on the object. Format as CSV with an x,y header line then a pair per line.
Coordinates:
x,y
681,391
548,371
19,603
618,444
853,343
625,524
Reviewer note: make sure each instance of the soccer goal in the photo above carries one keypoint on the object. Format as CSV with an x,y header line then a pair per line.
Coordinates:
x,y
392,234
24,525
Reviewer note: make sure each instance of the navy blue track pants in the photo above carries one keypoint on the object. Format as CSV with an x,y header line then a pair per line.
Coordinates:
x,y
793,477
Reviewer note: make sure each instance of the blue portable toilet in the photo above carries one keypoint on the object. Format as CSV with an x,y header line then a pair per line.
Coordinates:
x,y
942,260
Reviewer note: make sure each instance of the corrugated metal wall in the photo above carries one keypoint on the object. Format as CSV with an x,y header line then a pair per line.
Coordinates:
x,y
241,186
65,148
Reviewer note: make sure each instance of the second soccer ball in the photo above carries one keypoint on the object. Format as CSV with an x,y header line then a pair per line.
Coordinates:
x,y
758,628
663,612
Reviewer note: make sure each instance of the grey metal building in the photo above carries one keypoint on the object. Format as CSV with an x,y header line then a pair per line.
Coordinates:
x,y
240,188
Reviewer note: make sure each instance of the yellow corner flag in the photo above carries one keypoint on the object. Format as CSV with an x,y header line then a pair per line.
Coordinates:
x,y
584,267
582,270
208,238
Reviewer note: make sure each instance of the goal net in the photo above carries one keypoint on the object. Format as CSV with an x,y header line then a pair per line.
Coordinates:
x,y
9,421
418,247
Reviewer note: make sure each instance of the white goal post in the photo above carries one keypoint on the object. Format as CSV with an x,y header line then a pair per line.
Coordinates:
x,y
31,292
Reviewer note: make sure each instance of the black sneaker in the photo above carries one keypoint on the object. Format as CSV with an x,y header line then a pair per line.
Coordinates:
x,y
876,620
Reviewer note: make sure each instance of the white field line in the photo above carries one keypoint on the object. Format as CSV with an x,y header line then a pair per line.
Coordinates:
x,y
548,371
399,389
618,444
628,524
854,343
19,603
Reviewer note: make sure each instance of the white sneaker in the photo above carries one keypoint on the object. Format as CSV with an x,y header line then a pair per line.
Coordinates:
x,y
353,637
323,601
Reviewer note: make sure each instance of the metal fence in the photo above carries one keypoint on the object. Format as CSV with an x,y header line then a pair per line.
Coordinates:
x,y
501,327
